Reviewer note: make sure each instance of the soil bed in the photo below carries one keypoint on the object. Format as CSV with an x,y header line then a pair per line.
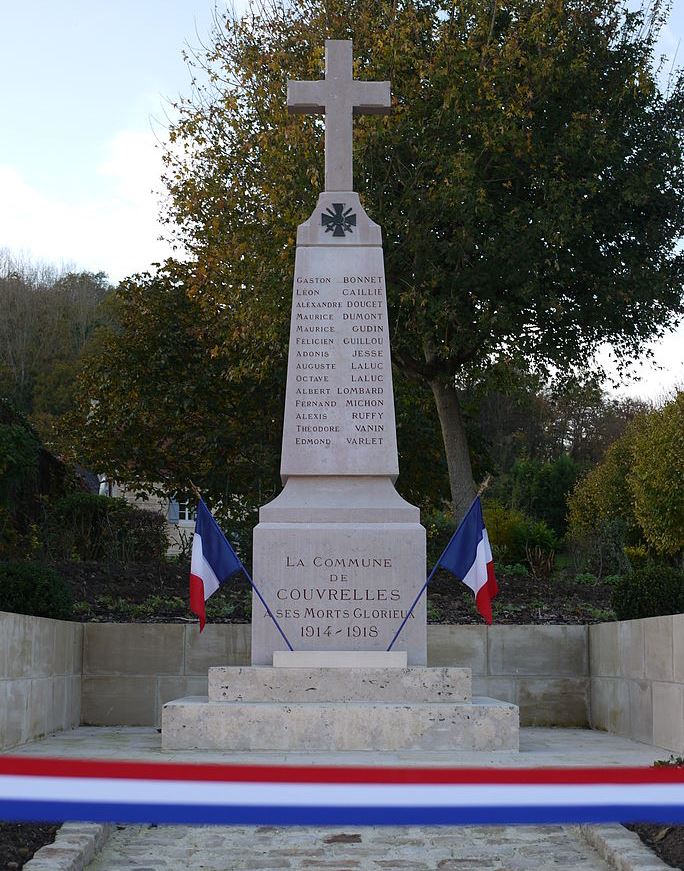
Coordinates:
x,y
149,593
666,841
19,841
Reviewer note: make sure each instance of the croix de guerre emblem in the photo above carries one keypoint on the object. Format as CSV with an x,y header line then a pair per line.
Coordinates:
x,y
337,220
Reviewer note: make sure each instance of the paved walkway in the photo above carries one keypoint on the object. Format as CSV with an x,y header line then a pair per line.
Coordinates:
x,y
472,848
267,848
539,747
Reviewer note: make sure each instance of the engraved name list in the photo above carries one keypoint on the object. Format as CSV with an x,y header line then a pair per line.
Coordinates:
x,y
339,408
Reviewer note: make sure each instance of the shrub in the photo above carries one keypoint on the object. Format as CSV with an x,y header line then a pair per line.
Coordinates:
x,y
656,475
517,570
86,527
33,588
439,526
650,591
517,538
541,489
639,483
9,538
602,550
29,475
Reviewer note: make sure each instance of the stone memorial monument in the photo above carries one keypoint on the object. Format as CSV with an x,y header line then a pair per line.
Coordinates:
x,y
339,556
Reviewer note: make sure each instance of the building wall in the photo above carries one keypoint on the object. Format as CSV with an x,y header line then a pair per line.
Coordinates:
x,y
40,677
637,679
131,669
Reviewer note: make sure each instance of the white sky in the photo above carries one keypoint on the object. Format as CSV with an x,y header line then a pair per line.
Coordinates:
x,y
84,90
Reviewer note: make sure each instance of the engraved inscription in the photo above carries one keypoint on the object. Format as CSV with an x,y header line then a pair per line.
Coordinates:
x,y
343,596
339,410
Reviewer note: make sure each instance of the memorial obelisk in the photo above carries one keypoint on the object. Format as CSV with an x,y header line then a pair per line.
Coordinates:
x,y
339,556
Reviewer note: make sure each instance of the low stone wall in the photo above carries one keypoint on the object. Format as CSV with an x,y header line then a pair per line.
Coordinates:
x,y
40,677
626,678
131,670
542,669
637,679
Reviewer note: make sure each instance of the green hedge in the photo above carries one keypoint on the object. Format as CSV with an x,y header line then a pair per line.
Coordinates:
x,y
650,591
34,588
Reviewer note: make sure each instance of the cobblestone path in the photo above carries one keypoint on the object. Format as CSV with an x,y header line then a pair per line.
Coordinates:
x,y
268,848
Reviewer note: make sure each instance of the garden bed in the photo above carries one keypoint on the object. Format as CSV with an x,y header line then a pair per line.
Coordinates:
x,y
150,593
19,841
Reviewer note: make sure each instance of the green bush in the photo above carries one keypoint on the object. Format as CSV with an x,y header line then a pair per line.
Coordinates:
x,y
86,527
517,570
34,588
650,591
638,482
540,490
439,526
515,537
601,550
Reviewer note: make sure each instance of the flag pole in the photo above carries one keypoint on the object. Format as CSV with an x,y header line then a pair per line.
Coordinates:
x,y
263,602
482,488
246,573
415,601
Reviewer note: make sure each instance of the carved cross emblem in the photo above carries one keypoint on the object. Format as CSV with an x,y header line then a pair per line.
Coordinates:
x,y
339,96
337,220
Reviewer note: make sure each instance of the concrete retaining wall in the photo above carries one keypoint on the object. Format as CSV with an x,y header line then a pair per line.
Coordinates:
x,y
626,678
130,671
542,669
637,679
40,677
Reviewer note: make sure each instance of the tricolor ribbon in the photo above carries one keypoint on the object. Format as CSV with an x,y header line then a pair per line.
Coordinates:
x,y
134,792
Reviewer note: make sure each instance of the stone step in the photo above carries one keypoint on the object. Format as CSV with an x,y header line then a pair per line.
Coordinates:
x,y
196,723
284,684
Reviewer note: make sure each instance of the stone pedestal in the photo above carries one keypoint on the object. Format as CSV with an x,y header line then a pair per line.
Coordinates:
x,y
339,709
339,560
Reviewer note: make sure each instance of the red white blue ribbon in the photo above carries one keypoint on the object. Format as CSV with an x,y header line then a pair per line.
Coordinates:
x,y
132,792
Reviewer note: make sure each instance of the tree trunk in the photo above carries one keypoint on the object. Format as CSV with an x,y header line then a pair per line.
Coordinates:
x,y
455,445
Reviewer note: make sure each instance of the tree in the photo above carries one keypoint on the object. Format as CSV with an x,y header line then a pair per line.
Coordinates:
x,y
529,421
160,405
657,475
29,477
47,317
529,182
639,483
540,490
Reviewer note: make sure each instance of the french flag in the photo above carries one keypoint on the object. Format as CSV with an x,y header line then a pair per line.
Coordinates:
x,y
469,557
213,561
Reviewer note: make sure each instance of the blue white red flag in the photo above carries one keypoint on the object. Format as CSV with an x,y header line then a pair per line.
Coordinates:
x,y
213,561
469,557
253,795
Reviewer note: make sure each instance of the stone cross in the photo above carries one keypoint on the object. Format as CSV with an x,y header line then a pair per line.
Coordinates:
x,y
339,97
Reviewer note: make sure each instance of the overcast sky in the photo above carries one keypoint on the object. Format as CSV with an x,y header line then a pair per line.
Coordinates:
x,y
84,90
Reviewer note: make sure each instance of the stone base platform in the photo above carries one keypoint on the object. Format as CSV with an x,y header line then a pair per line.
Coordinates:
x,y
329,709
